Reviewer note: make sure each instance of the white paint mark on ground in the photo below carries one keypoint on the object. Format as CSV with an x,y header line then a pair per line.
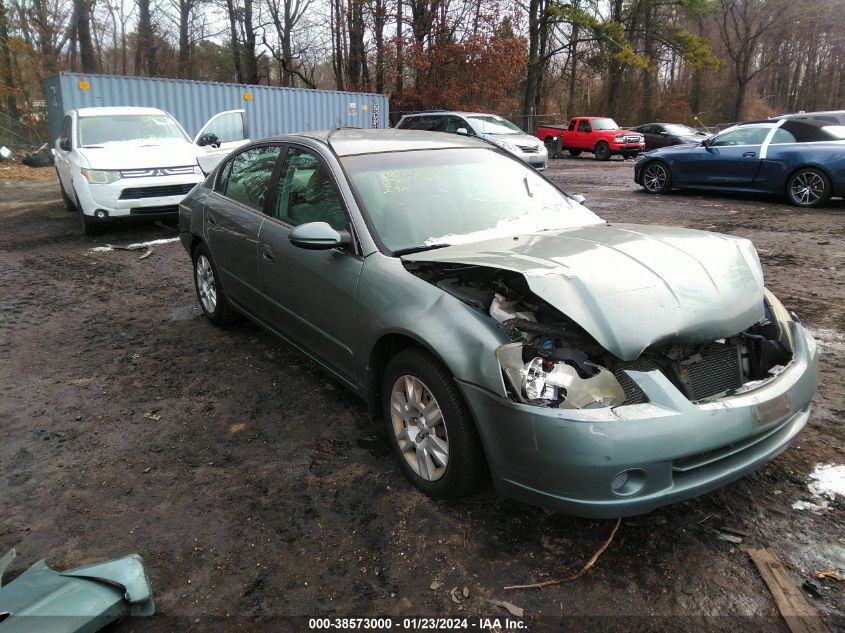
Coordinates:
x,y
137,245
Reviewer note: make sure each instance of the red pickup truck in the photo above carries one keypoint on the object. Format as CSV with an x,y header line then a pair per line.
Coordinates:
x,y
598,135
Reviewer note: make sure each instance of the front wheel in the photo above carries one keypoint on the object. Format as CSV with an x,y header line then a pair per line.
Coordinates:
x,y
808,188
656,178
70,206
429,426
602,151
215,306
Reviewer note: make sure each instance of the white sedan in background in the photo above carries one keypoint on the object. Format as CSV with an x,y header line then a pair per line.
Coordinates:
x,y
125,162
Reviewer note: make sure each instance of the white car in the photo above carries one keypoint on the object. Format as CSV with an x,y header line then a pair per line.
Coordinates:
x,y
121,163
491,127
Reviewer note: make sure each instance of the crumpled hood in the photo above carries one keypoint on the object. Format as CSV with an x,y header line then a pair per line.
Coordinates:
x,y
137,156
631,286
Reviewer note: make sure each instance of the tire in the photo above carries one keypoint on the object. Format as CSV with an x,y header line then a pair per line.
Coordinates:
x,y
602,151
551,146
89,225
656,177
808,188
452,462
70,205
575,152
213,302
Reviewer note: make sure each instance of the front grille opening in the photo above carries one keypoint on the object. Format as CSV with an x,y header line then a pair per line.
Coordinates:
x,y
170,208
136,193
714,371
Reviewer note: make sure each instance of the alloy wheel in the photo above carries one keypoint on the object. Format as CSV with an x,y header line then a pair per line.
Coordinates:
x,y
807,188
419,427
206,288
655,177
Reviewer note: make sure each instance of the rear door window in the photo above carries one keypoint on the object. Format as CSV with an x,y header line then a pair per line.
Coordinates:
x,y
584,126
248,175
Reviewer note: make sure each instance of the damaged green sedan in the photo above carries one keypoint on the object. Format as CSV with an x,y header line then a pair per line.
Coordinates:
x,y
494,322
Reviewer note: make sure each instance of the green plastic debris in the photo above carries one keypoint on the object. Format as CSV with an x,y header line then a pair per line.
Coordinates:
x,y
81,600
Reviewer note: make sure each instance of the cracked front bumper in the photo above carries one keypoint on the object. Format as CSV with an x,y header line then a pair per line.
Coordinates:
x,y
566,459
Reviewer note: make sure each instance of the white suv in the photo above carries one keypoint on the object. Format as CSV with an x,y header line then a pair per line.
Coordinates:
x,y
491,127
119,163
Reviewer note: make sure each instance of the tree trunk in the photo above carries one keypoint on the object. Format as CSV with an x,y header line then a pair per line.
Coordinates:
x,y
236,45
185,8
87,57
251,75
145,55
6,60
400,61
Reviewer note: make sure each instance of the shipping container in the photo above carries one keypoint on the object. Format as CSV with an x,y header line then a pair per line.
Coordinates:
x,y
270,111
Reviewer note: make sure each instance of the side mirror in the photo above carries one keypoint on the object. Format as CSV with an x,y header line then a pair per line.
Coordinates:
x,y
64,144
209,138
462,130
318,236
578,198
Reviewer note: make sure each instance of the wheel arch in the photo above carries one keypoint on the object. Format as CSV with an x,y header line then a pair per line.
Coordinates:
x,y
821,168
386,347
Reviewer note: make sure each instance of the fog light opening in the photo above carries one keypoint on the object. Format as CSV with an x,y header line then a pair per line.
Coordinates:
x,y
101,214
628,482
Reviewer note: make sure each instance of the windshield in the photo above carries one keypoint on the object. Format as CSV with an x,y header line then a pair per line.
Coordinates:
x,y
101,129
428,198
680,130
489,124
604,124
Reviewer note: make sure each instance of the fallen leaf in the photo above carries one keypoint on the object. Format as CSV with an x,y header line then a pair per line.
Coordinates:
x,y
453,596
509,606
237,427
435,585
828,574
465,592
155,417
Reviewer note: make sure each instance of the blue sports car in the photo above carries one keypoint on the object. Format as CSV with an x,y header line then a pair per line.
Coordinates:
x,y
800,157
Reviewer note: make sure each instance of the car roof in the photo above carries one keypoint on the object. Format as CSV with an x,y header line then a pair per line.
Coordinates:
x,y
116,111
446,112
354,141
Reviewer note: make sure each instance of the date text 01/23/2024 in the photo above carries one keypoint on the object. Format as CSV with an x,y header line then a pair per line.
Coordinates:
x,y
416,624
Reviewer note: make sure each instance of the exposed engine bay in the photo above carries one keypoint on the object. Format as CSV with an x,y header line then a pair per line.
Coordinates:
x,y
553,362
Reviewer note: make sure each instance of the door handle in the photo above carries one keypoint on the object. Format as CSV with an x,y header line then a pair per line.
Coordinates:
x,y
210,218
266,252
750,154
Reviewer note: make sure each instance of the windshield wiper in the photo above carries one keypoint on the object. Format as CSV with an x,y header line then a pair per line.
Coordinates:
x,y
418,249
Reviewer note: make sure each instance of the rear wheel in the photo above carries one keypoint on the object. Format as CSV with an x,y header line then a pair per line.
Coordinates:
x,y
215,306
575,152
808,187
602,151
429,426
656,177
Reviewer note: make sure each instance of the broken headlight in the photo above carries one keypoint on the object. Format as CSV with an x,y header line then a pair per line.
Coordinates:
x,y
548,382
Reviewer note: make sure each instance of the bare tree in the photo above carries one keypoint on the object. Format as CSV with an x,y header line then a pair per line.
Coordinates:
x,y
742,27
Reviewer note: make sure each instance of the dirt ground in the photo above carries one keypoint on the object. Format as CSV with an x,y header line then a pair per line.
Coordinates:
x,y
263,491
